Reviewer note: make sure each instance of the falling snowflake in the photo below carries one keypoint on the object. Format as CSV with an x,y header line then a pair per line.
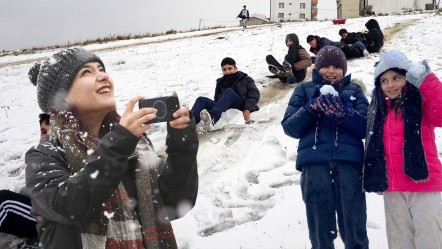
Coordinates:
x,y
109,215
95,174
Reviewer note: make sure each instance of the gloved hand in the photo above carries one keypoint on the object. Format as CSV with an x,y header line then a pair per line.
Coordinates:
x,y
342,108
312,105
417,72
333,105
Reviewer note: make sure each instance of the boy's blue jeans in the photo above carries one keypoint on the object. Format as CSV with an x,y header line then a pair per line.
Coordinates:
x,y
333,189
359,45
228,99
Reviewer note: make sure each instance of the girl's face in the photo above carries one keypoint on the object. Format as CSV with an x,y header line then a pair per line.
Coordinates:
x,y
289,42
392,84
331,74
92,90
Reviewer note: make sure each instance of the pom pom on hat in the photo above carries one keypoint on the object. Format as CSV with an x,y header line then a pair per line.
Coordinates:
x,y
54,76
331,55
392,59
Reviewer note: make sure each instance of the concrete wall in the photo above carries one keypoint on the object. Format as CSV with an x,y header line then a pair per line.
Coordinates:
x,y
350,8
397,6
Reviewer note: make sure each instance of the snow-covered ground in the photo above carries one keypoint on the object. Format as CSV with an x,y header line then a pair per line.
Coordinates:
x,y
249,195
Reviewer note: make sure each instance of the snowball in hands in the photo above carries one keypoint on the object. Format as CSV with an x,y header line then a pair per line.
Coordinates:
x,y
328,89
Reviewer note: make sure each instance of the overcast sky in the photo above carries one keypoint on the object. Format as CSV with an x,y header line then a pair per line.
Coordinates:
x,y
36,23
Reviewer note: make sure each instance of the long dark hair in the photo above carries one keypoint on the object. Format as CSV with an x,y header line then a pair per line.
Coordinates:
x,y
396,104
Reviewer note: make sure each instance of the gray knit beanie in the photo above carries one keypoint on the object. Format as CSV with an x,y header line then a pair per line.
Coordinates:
x,y
391,60
331,55
54,76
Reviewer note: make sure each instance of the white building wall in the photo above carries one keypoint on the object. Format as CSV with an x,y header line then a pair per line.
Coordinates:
x,y
397,6
291,10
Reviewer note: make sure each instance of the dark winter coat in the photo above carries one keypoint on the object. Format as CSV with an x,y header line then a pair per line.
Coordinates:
x,y
352,37
351,52
322,42
246,16
374,39
322,138
298,58
61,201
243,85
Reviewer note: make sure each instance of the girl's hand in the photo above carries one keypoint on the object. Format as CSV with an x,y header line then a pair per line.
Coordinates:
x,y
181,118
134,121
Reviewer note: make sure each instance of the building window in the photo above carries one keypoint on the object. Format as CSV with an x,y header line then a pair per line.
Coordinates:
x,y
302,6
280,15
281,5
290,4
301,15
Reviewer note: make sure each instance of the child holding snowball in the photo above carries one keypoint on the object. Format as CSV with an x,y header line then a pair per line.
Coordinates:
x,y
401,159
330,127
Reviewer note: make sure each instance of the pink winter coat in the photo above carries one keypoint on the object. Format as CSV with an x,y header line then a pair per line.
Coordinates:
x,y
431,90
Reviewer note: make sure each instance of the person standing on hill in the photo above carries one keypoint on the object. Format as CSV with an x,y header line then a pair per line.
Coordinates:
x,y
401,157
244,15
296,62
328,116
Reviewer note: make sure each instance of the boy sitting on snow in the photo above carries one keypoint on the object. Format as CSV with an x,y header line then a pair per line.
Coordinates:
x,y
234,90
295,63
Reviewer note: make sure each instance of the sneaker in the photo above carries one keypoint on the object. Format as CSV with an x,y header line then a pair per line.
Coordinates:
x,y
366,53
284,74
207,119
274,70
287,66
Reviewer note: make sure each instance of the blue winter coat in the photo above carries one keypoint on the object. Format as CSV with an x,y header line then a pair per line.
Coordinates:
x,y
246,16
335,140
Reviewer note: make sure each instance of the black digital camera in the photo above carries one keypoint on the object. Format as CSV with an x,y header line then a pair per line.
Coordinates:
x,y
166,106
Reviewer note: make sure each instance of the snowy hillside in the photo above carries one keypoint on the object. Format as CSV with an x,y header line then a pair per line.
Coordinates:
x,y
249,195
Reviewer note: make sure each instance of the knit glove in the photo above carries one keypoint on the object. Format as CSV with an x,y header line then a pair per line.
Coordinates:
x,y
417,72
312,105
334,106
343,111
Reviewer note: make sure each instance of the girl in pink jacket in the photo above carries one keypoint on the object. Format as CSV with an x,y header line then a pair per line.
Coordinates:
x,y
401,159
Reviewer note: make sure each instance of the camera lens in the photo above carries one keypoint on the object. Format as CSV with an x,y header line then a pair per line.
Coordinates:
x,y
172,103
161,109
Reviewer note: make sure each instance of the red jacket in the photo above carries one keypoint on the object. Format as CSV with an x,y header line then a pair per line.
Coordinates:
x,y
431,90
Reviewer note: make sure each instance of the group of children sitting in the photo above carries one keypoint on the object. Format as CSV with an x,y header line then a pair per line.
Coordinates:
x,y
238,91
297,60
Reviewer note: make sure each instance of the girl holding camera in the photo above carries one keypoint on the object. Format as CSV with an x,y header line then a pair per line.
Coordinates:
x,y
96,181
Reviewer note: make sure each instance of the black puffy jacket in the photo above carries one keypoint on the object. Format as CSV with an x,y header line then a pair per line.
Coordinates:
x,y
243,85
61,201
374,39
